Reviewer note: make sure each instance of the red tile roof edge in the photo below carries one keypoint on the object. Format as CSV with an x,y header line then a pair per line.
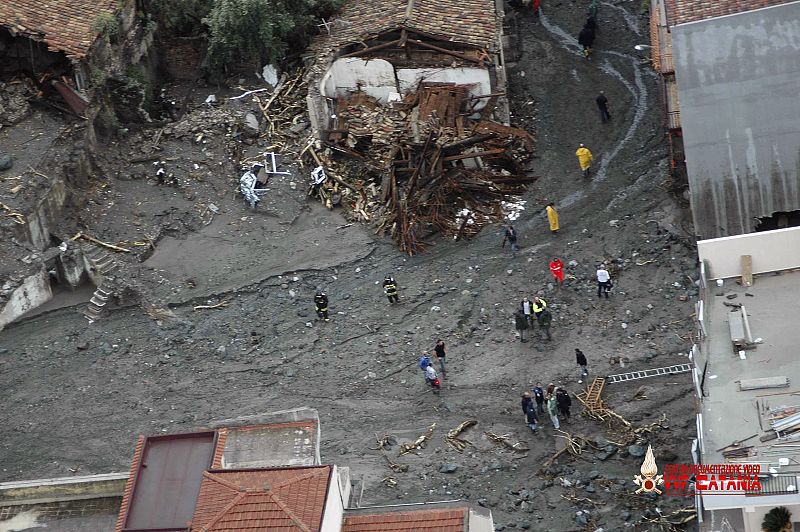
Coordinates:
x,y
276,468
373,521
309,423
219,448
126,495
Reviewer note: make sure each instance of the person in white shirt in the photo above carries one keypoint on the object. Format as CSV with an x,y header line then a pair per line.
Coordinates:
x,y
603,281
525,307
432,378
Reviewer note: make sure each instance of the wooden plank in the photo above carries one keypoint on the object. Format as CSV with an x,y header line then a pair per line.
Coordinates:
x,y
766,382
747,270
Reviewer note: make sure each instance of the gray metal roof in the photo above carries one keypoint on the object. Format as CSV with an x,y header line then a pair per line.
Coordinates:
x,y
739,85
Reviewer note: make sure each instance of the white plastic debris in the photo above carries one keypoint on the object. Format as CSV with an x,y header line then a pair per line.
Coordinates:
x,y
512,210
270,74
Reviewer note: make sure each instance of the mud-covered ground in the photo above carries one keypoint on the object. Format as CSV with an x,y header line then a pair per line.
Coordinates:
x,y
76,395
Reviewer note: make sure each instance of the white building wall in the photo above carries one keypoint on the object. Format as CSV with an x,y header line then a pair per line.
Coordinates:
x,y
352,74
34,291
334,505
378,78
410,78
771,251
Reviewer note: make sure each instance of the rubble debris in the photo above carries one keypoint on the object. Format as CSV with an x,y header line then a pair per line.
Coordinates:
x,y
413,165
14,97
520,447
574,445
454,441
419,443
93,240
221,304
674,521
18,217
595,408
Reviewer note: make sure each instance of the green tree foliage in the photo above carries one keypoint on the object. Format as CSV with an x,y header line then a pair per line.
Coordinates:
x,y
263,30
776,520
183,18
245,30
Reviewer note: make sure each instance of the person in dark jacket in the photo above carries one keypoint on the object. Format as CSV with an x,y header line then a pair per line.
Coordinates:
x,y
526,402
544,318
321,305
440,355
563,402
538,397
586,39
602,105
390,289
511,236
531,418
521,324
580,358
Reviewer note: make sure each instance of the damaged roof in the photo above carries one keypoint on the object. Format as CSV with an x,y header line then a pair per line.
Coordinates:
x,y
683,11
262,499
470,22
63,25
444,520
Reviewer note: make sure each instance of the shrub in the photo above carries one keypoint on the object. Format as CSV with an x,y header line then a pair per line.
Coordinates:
x,y
776,520
106,24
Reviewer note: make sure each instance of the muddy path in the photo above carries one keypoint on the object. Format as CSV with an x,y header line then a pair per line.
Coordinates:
x,y
76,396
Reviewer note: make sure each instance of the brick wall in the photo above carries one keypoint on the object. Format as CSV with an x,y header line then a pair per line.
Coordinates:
x,y
181,58
65,509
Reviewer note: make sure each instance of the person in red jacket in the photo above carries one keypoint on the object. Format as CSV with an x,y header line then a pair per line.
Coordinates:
x,y
557,269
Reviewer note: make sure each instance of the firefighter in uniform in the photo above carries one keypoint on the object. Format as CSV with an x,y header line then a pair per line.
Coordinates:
x,y
390,289
321,305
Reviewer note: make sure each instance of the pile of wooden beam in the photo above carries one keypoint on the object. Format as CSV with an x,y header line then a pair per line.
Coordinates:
x,y
430,163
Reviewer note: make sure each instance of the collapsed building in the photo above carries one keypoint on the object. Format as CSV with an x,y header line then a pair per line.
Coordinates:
x,y
408,107
53,58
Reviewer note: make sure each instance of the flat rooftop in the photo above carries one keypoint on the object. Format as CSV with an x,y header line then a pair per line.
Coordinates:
x,y
167,481
730,414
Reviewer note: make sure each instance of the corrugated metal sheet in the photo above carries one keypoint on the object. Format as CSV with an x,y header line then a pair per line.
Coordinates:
x,y
738,86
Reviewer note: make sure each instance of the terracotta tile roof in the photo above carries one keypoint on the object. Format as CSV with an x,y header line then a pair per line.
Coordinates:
x,y
444,520
470,22
126,495
291,499
683,11
63,25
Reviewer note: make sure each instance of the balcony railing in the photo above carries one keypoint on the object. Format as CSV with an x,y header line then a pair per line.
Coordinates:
x,y
780,484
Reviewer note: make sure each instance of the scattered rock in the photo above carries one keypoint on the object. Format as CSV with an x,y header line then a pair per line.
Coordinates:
x,y
251,126
448,468
666,455
637,451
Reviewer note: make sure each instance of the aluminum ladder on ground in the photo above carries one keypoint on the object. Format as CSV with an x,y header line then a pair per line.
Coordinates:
x,y
657,372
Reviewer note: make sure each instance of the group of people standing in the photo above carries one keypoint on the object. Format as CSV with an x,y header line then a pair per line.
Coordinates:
x,y
530,311
426,365
554,399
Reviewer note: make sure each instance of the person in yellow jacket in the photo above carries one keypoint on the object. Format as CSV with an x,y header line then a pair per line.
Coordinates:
x,y
584,159
552,217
